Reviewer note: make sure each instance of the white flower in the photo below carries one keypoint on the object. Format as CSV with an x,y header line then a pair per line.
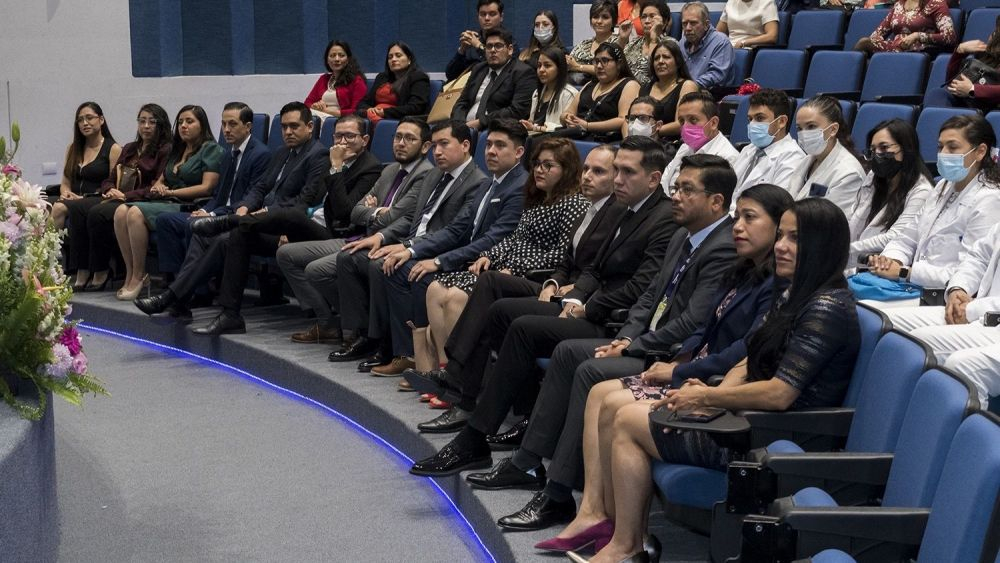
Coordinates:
x,y
30,195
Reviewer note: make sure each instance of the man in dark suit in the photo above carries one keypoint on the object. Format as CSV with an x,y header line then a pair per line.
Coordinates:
x,y
479,226
676,305
524,329
311,266
470,42
499,87
468,347
429,207
243,164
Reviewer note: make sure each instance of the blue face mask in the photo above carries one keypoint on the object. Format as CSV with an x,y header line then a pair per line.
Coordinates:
x,y
952,166
758,133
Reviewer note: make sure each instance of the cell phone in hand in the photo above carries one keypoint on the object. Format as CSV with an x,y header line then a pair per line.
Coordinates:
x,y
704,414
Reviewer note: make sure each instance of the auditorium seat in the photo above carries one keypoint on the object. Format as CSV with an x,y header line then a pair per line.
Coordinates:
x,y
584,147
733,110
436,86
936,78
782,69
892,75
382,140
862,24
980,24
326,131
713,18
969,5
742,60
261,122
929,125
784,19
993,118
872,113
274,139
831,72
479,151
822,29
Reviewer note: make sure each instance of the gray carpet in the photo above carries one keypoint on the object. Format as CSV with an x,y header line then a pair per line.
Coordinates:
x,y
389,413
190,463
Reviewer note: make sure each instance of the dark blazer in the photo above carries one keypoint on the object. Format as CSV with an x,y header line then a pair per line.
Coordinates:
x,y
253,163
365,217
628,262
726,336
693,298
507,96
463,241
463,190
301,185
412,97
602,228
345,189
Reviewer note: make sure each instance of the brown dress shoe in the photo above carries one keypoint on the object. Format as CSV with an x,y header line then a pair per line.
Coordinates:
x,y
316,335
394,368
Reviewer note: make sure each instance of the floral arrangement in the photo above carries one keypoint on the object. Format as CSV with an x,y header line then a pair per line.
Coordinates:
x,y
37,343
749,87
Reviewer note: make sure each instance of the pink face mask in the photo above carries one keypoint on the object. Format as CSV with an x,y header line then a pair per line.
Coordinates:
x,y
693,136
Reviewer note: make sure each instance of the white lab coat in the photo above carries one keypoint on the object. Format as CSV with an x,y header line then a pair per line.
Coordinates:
x,y
780,160
562,101
840,173
979,275
933,245
719,146
870,237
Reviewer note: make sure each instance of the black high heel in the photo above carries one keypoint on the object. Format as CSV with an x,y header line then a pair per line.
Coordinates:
x,y
653,548
91,287
83,287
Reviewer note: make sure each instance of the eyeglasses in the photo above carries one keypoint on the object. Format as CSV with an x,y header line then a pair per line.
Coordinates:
x,y
146,121
641,118
686,191
546,165
600,61
495,46
349,137
405,139
87,118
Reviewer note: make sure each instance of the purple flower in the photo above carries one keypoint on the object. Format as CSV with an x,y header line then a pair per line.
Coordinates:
x,y
10,231
61,363
70,338
80,364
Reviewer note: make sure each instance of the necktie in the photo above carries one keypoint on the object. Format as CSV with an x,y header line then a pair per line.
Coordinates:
x,y
626,217
481,212
395,186
675,278
481,108
436,194
588,218
231,177
753,162
291,156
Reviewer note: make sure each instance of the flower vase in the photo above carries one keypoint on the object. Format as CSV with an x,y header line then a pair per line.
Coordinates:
x,y
10,378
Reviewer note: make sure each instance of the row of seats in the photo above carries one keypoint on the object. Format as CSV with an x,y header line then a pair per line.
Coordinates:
x,y
912,409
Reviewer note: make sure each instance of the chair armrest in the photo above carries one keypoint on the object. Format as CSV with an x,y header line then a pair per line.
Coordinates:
x,y
811,49
867,468
813,429
616,320
539,275
728,431
896,525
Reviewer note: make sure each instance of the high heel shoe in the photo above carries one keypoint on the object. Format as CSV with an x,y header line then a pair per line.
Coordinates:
x,y
599,533
80,287
91,286
651,551
131,294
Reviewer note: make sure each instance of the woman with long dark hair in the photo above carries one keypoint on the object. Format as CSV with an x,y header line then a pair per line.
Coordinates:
x,y
338,91
599,109
90,220
895,189
544,35
401,90
88,161
553,95
801,356
670,81
191,172
745,296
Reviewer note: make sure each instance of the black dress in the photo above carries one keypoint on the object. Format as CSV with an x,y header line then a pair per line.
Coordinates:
x,y
88,178
666,107
589,109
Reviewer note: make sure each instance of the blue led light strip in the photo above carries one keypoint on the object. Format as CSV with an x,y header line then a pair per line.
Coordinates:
x,y
344,418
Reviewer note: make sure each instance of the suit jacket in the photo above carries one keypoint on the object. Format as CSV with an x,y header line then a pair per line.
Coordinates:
x,y
626,264
463,190
301,184
601,228
726,336
413,95
463,241
692,299
345,189
507,96
365,217
253,163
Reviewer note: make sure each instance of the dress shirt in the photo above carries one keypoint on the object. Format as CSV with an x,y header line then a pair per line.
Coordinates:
x,y
719,146
711,63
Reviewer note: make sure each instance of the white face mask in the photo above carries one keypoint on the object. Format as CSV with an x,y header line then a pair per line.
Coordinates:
x,y
640,129
544,35
812,141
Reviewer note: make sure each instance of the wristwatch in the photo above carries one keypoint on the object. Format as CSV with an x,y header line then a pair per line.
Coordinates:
x,y
904,274
437,262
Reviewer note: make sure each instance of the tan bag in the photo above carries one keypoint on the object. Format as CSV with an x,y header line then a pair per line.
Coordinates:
x,y
445,101
424,350
129,178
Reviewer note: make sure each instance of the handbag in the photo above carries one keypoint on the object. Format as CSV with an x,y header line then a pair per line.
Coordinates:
x,y
867,285
445,101
979,72
129,178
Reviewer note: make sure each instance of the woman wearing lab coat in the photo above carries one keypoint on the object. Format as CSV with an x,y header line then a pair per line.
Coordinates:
x,y
962,208
831,168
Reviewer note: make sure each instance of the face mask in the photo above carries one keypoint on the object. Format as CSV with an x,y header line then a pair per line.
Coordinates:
x,y
693,136
952,166
640,129
544,35
885,166
757,131
813,141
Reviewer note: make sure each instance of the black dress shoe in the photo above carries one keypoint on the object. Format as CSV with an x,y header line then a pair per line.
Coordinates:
x,y
180,312
436,381
156,304
506,475
223,324
360,348
212,226
450,460
451,420
510,439
378,359
540,513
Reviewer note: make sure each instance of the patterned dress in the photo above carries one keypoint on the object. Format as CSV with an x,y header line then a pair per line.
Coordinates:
x,y
538,242
584,55
934,20
638,62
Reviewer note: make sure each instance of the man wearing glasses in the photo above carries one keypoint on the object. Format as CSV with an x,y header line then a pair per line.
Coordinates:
x,y
501,86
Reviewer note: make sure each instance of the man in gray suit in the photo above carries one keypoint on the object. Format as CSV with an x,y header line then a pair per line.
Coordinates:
x,y
430,206
311,267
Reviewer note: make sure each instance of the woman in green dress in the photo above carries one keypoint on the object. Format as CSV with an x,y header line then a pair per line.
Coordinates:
x,y
191,172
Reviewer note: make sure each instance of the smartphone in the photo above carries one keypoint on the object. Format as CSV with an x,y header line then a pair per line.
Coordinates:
x,y
991,319
705,414
932,297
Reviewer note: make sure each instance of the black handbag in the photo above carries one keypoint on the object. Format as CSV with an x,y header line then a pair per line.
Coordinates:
x,y
979,72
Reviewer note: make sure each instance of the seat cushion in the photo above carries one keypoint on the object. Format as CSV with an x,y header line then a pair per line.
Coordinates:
x,y
832,556
813,497
688,485
784,447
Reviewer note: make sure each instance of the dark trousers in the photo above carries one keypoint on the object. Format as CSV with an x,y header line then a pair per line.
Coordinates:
x,y
202,262
407,302
91,243
173,235
530,336
258,235
364,302
555,429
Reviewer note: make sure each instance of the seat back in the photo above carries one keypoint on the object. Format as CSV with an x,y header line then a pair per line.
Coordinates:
x,y
873,324
784,22
479,154
738,129
957,20
834,71
980,24
779,69
326,131
871,114
817,27
862,24
970,5
993,118
886,387
382,139
261,121
274,139
929,125
742,60
894,74
936,79
964,510
436,87
584,147
939,403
